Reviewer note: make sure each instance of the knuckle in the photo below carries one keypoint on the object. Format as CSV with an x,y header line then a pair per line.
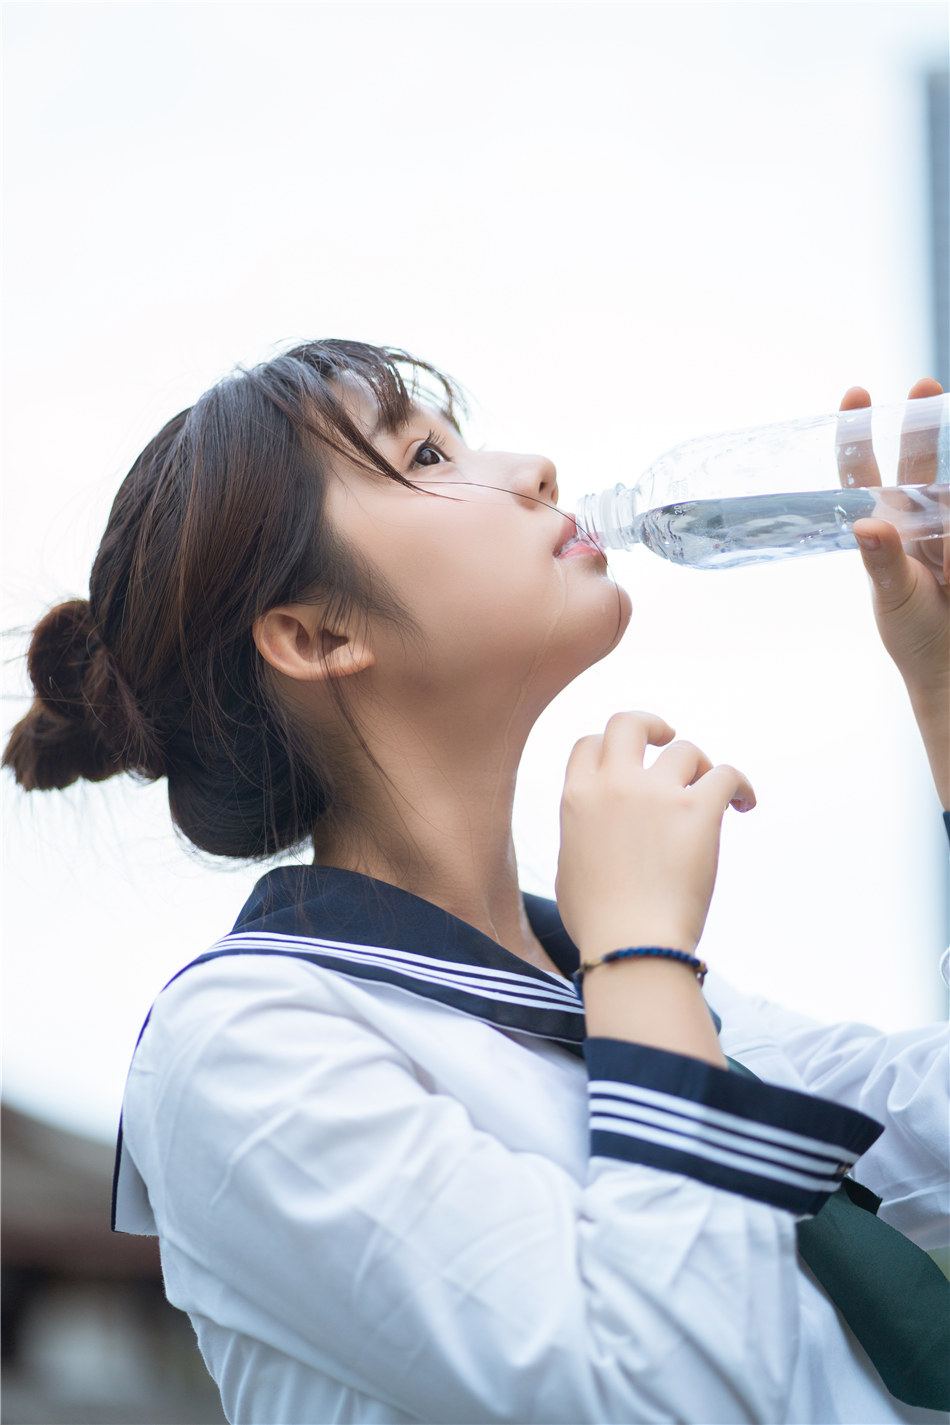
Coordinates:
x,y
575,794
683,745
631,717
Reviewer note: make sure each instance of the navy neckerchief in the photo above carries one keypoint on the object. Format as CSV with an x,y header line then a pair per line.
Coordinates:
x,y
890,1292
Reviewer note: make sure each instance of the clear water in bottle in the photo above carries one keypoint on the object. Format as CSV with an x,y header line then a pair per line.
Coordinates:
x,y
720,534
785,490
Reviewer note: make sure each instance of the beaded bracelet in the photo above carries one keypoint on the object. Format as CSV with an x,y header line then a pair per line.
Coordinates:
x,y
653,951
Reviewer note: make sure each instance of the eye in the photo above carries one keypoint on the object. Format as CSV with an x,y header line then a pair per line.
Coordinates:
x,y
430,452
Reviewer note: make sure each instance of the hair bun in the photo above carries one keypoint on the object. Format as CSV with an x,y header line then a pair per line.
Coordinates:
x,y
64,735
61,650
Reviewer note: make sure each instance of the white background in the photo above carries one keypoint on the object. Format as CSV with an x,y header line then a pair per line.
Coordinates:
x,y
619,225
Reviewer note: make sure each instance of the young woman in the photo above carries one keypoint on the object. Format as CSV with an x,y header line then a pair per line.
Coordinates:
x,y
399,1170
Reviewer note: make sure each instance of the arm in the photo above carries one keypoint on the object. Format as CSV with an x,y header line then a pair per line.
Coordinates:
x,y
362,1220
913,616
911,594
901,1079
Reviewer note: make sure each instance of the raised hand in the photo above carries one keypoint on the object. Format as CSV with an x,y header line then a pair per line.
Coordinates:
x,y
640,846
911,586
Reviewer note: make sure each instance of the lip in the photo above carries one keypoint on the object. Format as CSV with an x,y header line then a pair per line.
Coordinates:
x,y
575,542
569,532
579,548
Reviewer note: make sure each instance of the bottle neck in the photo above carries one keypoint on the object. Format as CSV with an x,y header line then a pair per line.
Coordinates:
x,y
610,517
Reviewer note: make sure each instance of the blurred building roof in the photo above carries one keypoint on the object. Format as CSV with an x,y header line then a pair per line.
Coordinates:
x,y
88,1336
57,1192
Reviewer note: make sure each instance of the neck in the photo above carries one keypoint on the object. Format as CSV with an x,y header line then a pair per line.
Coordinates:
x,y
434,818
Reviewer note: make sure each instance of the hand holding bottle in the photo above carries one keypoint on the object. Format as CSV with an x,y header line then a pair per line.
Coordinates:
x,y
774,492
640,846
911,589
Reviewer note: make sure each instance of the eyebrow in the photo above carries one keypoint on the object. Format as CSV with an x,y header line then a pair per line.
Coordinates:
x,y
387,426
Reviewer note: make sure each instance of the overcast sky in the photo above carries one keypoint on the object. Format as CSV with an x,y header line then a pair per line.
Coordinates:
x,y
619,226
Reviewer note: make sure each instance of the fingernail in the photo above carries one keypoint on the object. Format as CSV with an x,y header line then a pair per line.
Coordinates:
x,y
869,542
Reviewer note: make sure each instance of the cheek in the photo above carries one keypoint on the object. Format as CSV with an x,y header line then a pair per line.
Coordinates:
x,y
464,559
478,609
476,581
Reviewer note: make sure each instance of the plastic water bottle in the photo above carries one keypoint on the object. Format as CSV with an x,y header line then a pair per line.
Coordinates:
x,y
783,490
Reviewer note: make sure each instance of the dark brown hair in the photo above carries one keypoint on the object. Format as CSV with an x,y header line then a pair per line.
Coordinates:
x,y
219,520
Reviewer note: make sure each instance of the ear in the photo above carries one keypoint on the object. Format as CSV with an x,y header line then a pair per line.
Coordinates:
x,y
296,641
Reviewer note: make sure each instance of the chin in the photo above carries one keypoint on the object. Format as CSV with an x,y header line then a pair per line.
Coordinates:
x,y
591,639
612,625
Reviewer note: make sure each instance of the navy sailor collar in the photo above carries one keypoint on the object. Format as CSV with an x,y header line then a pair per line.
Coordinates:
x,y
368,929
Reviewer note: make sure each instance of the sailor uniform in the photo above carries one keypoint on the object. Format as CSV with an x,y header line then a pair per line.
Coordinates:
x,y
389,1187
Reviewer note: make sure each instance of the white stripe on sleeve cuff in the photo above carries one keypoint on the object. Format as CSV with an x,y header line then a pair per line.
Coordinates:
x,y
779,1146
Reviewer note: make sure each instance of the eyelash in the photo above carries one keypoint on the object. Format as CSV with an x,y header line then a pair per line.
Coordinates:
x,y
436,441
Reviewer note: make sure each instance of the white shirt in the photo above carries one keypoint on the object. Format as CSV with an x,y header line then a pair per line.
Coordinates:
x,y
387,1188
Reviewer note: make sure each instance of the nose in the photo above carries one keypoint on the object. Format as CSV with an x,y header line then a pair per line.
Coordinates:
x,y
535,478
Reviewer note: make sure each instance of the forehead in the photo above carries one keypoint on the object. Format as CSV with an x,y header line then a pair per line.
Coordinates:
x,y
361,405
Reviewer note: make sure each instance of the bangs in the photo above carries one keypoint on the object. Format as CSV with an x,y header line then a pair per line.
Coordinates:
x,y
396,380
304,383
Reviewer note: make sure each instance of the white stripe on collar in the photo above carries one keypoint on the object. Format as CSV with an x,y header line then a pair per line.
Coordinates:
x,y
475,979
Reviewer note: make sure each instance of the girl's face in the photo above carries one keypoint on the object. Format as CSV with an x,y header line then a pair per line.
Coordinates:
x,y
473,557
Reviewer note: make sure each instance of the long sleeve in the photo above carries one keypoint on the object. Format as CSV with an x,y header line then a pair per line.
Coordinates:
x,y
315,1191
901,1079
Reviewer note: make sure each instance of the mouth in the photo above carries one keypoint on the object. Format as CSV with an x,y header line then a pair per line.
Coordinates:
x,y
575,542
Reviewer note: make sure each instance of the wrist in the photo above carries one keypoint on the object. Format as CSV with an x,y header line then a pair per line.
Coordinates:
x,y
931,709
931,696
656,1003
641,953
